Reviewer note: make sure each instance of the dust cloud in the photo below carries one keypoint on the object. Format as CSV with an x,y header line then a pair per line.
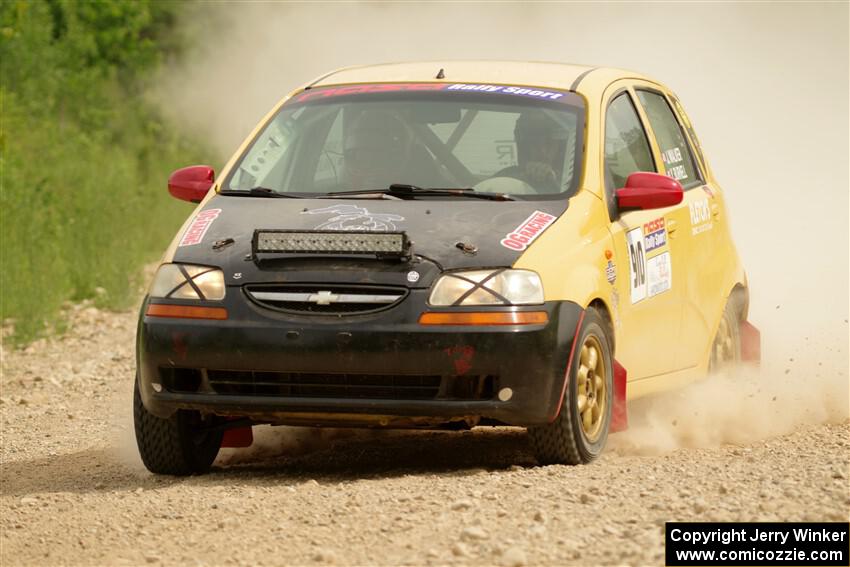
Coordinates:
x,y
270,442
765,86
736,408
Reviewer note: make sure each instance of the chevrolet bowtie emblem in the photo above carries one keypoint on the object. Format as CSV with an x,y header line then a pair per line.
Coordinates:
x,y
323,298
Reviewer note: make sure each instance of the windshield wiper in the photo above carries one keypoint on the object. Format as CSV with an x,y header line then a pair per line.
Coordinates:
x,y
400,190
260,192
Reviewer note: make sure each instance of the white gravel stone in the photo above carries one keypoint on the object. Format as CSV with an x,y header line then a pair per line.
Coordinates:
x,y
514,557
459,549
473,533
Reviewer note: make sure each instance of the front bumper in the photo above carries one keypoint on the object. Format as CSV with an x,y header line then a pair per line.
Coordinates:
x,y
257,346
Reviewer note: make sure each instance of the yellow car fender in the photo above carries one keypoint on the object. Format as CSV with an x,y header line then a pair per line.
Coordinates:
x,y
570,256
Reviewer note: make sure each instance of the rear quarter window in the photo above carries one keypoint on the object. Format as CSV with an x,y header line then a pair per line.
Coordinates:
x,y
686,122
675,151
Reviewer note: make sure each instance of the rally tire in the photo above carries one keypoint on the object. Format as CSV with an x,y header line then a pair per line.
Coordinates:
x,y
178,445
565,441
726,346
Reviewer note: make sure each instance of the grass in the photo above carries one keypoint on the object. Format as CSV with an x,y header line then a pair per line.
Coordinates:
x,y
80,214
83,158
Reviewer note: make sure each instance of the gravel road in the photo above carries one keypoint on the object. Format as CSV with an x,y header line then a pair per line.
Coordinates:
x,y
75,493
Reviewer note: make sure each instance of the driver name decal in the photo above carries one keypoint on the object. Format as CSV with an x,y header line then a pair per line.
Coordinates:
x,y
196,231
523,235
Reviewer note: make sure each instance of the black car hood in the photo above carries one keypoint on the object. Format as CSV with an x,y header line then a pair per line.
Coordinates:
x,y
446,234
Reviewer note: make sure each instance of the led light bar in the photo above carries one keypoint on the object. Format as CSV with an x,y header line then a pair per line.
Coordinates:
x,y
392,244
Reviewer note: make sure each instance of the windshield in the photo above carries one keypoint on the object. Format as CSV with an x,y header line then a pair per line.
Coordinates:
x,y
492,138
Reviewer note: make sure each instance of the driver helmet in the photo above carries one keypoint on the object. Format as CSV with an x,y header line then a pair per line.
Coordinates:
x,y
539,138
376,150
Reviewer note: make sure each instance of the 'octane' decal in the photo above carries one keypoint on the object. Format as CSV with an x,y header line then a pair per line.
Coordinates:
x,y
522,236
365,89
198,228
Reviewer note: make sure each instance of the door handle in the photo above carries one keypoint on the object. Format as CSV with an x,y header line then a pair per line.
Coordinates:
x,y
715,210
671,227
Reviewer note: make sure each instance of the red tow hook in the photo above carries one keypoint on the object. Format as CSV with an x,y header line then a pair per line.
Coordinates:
x,y
238,436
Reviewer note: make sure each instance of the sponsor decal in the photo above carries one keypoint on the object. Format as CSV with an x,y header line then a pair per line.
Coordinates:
x,y
365,89
702,228
648,276
637,263
522,236
196,231
352,217
655,235
413,276
521,91
700,216
659,276
611,272
327,92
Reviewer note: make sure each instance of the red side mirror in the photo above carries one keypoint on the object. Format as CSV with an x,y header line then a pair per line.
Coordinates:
x,y
646,190
191,183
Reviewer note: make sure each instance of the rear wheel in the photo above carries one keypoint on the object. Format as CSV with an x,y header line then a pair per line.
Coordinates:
x,y
726,348
580,431
180,445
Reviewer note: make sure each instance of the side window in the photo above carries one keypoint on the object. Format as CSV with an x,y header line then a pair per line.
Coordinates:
x,y
626,146
683,118
675,151
258,166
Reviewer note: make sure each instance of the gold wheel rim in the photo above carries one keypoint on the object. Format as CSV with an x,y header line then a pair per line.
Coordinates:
x,y
723,349
592,388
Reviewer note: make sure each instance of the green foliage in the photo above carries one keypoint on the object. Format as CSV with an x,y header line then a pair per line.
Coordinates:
x,y
83,157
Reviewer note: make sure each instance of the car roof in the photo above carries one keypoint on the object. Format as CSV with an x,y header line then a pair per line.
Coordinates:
x,y
584,79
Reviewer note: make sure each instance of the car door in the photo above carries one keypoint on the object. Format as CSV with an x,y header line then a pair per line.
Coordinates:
x,y
702,274
647,249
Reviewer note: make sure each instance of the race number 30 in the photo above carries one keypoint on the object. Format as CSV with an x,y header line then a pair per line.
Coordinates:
x,y
637,261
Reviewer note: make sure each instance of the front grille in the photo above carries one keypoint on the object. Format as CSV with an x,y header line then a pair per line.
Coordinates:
x,y
322,299
344,386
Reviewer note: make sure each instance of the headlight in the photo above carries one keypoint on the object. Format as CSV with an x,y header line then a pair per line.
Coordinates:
x,y
184,281
488,287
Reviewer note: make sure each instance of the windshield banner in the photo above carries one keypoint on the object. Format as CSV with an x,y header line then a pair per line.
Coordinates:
x,y
528,92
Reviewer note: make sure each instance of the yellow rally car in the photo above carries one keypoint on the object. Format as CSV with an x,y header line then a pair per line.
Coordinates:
x,y
442,245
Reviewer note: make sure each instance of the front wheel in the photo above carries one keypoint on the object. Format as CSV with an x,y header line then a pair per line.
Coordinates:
x,y
580,431
181,445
